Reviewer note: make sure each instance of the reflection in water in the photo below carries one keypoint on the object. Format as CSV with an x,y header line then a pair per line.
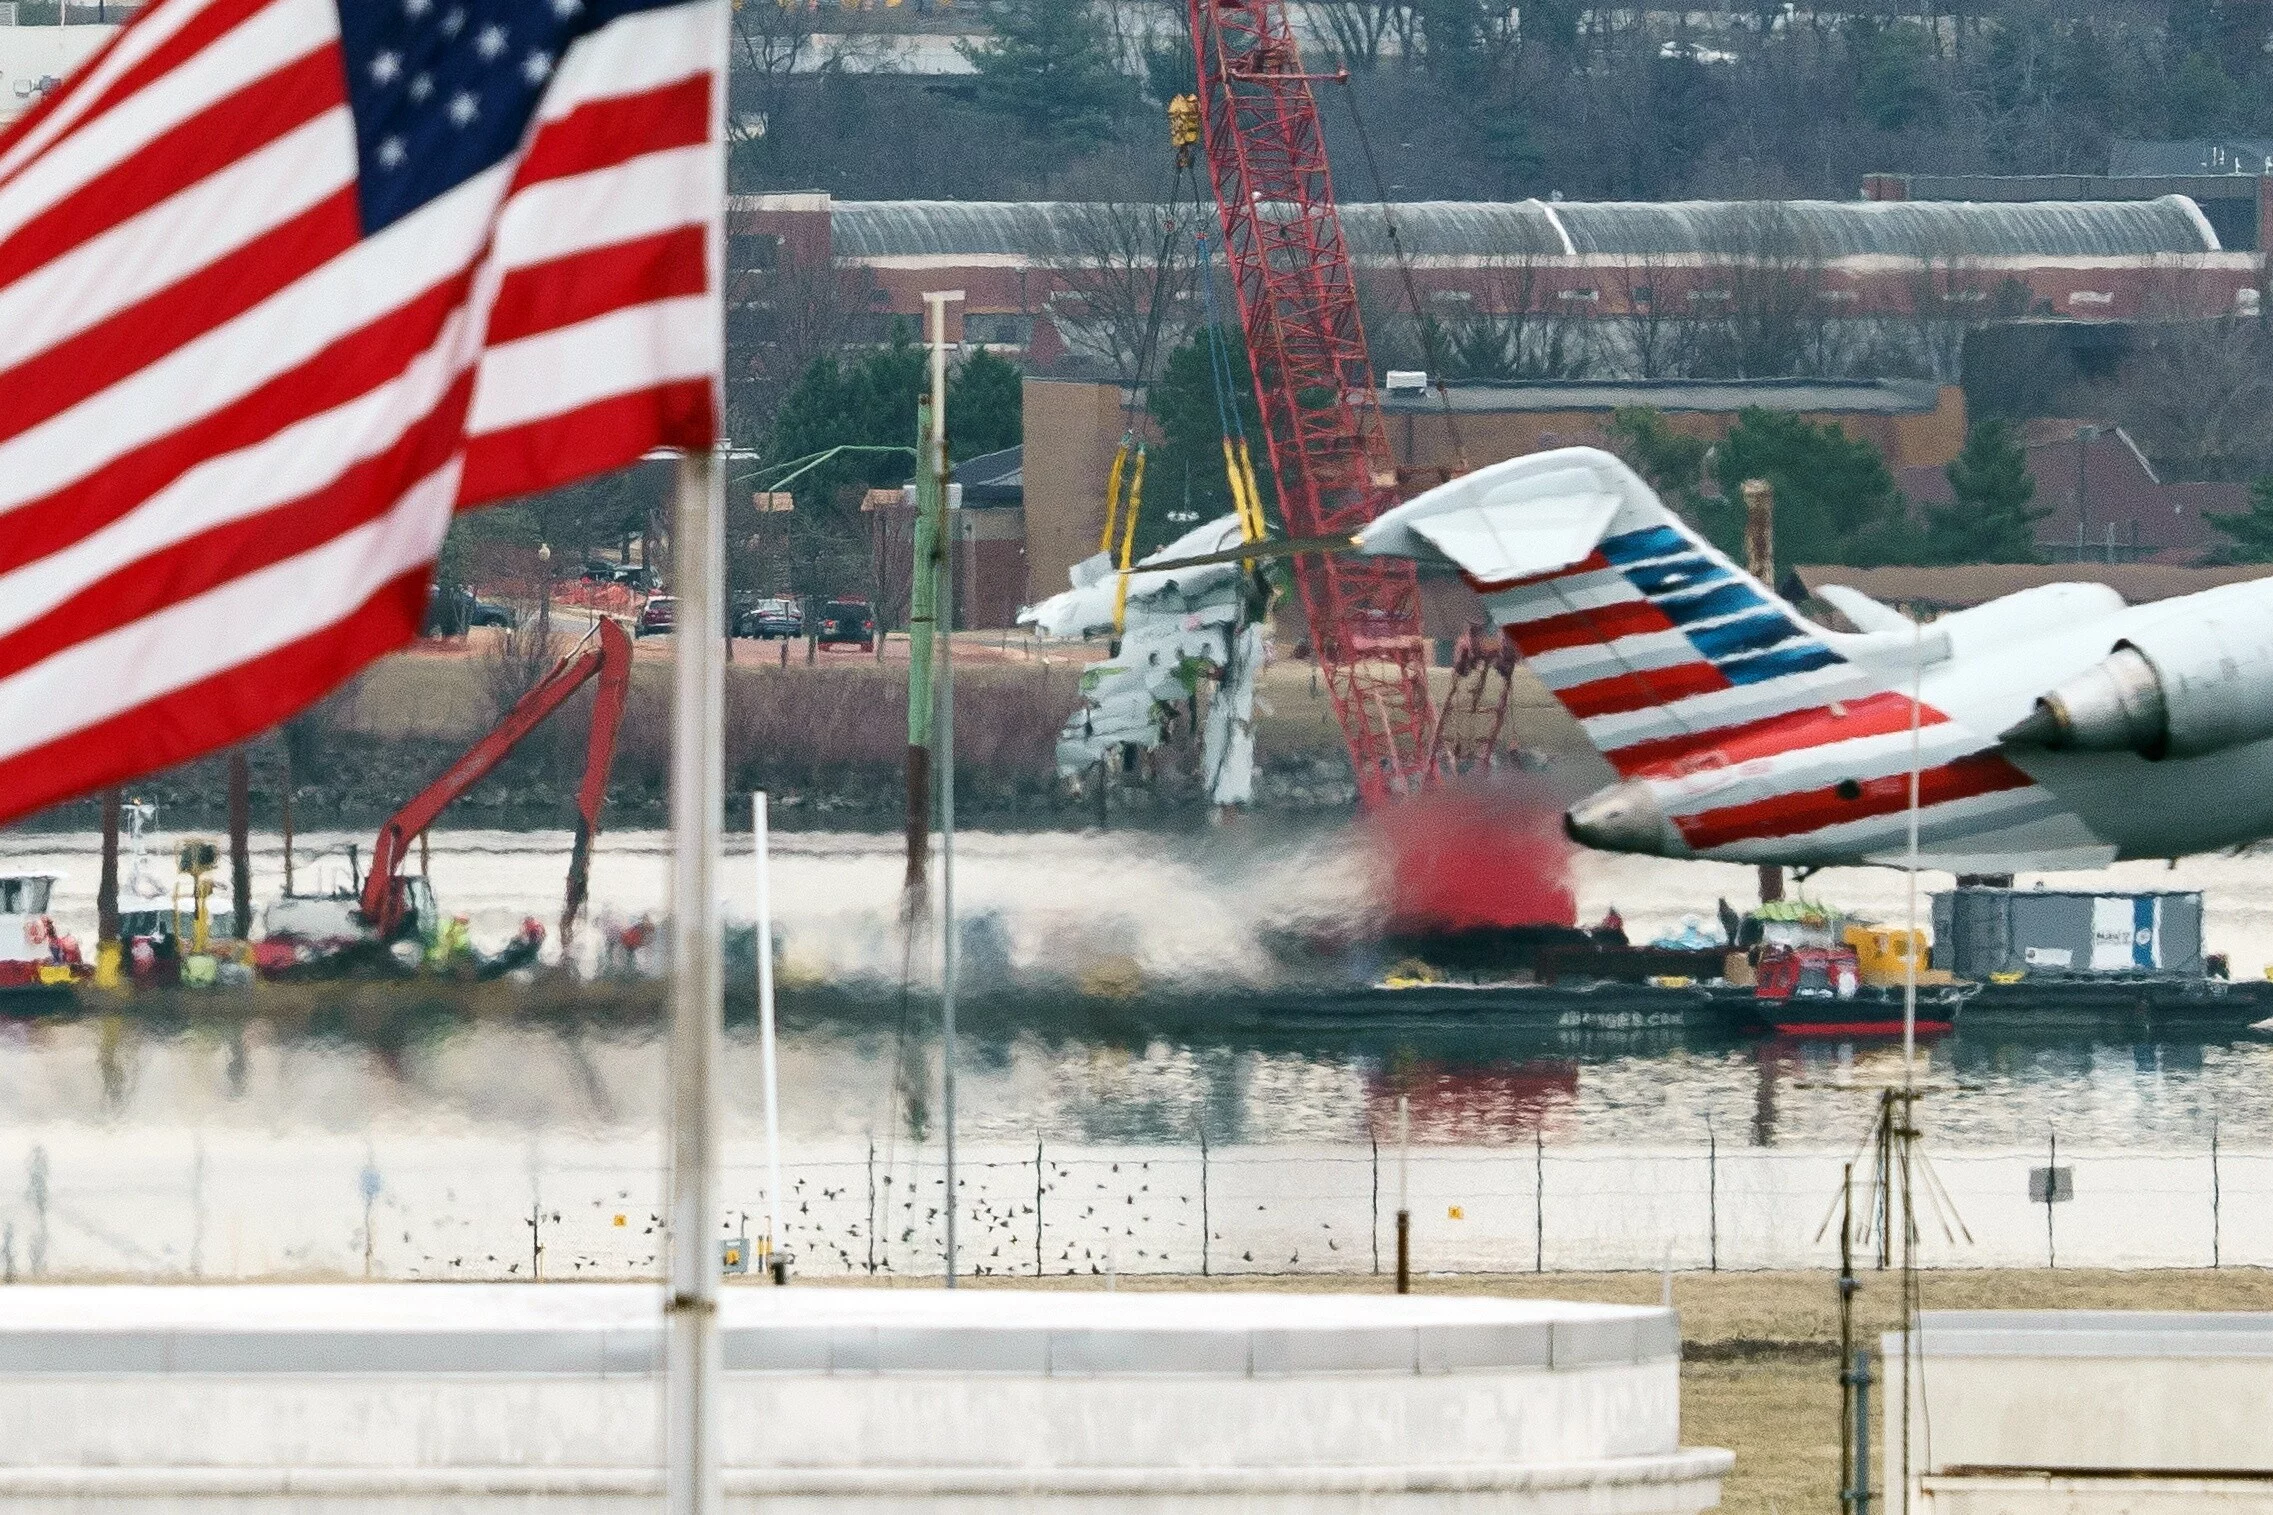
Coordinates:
x,y
852,1076
454,1147
1210,1037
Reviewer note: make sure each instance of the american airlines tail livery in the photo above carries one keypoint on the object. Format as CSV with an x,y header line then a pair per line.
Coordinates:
x,y
2054,728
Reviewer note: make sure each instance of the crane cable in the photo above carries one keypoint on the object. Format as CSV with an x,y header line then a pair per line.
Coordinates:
x,y
1122,511
1431,352
1238,460
1117,538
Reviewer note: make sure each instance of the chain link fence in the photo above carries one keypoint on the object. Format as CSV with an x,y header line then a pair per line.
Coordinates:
x,y
190,1204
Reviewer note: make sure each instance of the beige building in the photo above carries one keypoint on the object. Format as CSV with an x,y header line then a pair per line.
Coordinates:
x,y
1073,426
1072,429
1915,423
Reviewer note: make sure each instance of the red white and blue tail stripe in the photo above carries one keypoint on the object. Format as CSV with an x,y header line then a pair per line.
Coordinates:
x,y
1743,730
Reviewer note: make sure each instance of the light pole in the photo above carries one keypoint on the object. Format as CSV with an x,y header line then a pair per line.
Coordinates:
x,y
2085,436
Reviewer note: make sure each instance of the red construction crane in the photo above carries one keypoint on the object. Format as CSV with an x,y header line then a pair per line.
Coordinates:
x,y
608,656
1329,451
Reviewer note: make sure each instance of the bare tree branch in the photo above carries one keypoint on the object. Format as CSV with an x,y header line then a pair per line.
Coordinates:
x,y
1125,288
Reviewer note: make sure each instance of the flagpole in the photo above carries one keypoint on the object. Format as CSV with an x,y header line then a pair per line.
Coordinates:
x,y
762,846
697,990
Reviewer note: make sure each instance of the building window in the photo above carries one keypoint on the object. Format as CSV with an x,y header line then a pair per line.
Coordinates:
x,y
998,328
758,250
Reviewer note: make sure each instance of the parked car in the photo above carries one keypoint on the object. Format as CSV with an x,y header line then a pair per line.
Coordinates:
x,y
659,615
452,610
768,619
844,622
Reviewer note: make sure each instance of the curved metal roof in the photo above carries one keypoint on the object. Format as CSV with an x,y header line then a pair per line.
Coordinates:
x,y
1044,230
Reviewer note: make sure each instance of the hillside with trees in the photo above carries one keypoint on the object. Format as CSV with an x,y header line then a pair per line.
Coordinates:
x,y
1468,100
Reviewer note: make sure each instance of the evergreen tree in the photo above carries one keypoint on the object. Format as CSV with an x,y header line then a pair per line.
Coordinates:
x,y
1672,462
985,405
1050,67
2249,531
1896,87
1991,520
2202,98
1184,474
871,401
1835,498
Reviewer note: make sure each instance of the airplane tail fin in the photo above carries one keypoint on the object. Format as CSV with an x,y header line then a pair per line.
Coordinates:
x,y
1662,648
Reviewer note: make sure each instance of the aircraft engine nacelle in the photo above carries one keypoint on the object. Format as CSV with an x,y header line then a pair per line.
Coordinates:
x,y
2178,689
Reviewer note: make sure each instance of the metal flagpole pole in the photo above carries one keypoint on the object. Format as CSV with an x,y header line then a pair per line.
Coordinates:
x,y
691,1482
1910,954
697,991
761,841
943,623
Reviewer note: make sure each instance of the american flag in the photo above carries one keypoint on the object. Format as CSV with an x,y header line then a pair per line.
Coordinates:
x,y
283,285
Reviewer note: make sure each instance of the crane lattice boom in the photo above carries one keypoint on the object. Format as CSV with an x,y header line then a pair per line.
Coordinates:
x,y
1329,451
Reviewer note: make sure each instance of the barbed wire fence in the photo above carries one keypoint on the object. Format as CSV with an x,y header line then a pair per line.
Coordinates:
x,y
93,1204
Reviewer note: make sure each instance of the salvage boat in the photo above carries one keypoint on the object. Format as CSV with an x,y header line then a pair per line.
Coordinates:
x,y
38,964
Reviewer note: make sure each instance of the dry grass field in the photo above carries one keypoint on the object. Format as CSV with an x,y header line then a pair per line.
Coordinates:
x,y
426,693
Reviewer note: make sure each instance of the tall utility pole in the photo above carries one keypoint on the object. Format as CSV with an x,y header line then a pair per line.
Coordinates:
x,y
933,467
240,844
1760,561
922,595
2085,436
106,899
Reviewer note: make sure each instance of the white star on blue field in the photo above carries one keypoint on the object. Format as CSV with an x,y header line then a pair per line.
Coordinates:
x,y
442,89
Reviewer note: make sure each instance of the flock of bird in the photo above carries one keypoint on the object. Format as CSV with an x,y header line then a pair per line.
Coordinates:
x,y
1026,1218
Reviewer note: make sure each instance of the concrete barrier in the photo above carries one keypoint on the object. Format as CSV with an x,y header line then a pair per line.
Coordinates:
x,y
482,1396
2080,1412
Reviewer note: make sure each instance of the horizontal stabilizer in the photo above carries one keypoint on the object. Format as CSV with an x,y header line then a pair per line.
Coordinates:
x,y
1866,613
1511,520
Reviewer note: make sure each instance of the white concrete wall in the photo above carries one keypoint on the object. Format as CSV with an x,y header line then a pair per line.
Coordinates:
x,y
2081,1411
476,1396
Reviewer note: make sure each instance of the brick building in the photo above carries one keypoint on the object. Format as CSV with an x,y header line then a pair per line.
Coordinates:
x,y
1620,267
2102,499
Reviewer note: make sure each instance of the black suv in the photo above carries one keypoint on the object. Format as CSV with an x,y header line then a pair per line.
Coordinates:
x,y
843,622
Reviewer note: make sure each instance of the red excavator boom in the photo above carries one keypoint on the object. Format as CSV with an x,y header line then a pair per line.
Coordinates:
x,y
1313,380
606,655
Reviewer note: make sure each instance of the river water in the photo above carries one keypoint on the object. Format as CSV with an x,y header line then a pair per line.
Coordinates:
x,y
141,1150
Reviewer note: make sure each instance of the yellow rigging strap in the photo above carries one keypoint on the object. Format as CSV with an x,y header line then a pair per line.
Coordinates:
x,y
1251,522
1128,542
1113,490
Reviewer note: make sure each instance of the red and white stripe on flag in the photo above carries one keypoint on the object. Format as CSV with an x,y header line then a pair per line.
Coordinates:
x,y
234,425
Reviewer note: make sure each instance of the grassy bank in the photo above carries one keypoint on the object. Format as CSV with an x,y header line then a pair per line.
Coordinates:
x,y
828,739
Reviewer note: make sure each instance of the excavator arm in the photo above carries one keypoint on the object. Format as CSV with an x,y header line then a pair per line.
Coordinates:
x,y
606,656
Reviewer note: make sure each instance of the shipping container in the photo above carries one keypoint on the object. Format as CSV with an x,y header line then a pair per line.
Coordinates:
x,y
1979,932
